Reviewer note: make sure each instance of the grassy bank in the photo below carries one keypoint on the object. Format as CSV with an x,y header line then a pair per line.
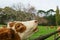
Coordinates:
x,y
42,31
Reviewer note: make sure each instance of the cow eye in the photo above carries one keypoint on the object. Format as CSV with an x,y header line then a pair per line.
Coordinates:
x,y
18,26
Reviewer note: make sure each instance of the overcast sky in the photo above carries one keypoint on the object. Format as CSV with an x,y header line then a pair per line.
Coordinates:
x,y
39,4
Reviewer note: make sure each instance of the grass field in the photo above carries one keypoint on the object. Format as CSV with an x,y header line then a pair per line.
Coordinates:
x,y
43,30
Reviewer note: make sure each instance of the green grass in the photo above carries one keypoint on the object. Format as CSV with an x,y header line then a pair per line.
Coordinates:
x,y
0,25
42,31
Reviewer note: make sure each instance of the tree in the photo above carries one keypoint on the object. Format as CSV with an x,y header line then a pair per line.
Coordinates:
x,y
49,16
32,11
51,20
28,12
7,14
49,12
1,9
57,16
41,12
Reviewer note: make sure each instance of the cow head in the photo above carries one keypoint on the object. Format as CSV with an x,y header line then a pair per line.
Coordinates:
x,y
24,29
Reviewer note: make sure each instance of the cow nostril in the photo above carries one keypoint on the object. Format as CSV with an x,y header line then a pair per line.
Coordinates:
x,y
36,21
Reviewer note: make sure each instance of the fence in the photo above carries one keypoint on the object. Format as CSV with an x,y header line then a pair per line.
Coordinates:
x,y
43,37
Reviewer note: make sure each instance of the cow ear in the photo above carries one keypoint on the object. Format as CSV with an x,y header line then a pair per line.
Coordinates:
x,y
20,27
11,24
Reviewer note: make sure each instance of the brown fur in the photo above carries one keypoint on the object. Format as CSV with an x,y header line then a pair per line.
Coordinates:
x,y
20,27
11,24
51,27
8,34
58,29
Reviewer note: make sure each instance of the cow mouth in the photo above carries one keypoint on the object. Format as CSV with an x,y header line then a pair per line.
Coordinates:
x,y
35,30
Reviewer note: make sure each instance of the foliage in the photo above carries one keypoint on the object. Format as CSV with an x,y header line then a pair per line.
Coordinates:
x,y
8,14
48,16
57,16
51,20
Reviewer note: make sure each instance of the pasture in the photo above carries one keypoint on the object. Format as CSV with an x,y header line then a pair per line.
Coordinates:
x,y
42,31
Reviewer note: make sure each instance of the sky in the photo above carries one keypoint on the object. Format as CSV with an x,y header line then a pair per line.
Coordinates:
x,y
38,4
